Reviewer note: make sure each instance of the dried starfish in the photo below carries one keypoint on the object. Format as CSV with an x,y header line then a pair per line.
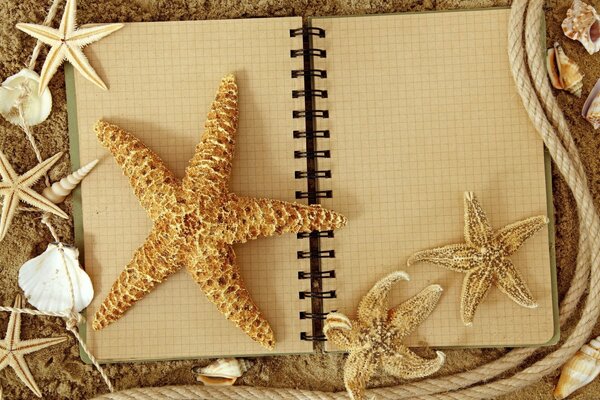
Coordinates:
x,y
13,349
197,220
375,338
66,43
485,258
17,188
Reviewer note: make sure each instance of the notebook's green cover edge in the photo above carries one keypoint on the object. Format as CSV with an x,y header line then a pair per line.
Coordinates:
x,y
548,174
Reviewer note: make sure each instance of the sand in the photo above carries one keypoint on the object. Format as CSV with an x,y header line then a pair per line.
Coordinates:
x,y
59,370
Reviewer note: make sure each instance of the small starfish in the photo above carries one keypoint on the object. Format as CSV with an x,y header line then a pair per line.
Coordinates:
x,y
375,338
198,219
13,349
17,188
484,258
67,42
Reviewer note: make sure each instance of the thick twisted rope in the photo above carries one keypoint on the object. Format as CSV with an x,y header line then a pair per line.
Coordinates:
x,y
526,58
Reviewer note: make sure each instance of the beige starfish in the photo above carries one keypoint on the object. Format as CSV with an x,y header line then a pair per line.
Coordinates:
x,y
17,188
198,219
66,43
485,258
375,338
13,349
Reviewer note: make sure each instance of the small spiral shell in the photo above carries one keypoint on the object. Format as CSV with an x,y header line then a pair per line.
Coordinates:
x,y
58,192
580,370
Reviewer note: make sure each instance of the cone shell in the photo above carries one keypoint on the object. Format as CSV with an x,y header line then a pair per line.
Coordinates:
x,y
222,372
580,370
58,192
563,72
23,88
47,280
582,24
591,107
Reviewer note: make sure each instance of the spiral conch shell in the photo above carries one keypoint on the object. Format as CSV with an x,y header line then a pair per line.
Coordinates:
x,y
583,24
591,107
222,372
580,370
58,192
563,72
49,279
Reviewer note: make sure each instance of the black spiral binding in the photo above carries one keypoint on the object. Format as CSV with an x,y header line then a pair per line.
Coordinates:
x,y
310,136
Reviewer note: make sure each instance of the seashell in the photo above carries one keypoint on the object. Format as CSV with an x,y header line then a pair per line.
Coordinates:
x,y
582,24
591,107
58,192
337,320
580,370
23,88
564,73
222,372
46,279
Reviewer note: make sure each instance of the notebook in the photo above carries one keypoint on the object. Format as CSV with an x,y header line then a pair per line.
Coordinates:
x,y
368,116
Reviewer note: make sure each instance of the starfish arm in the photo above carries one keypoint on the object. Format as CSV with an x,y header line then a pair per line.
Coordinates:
x,y
13,331
152,182
338,330
67,22
152,263
45,34
76,57
210,168
410,314
4,359
37,200
477,228
34,174
407,365
84,36
511,282
374,305
217,273
267,217
17,362
9,206
456,257
54,59
30,346
358,369
514,235
6,170
476,286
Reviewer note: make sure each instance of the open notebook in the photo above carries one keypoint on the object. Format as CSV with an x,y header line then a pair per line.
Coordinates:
x,y
408,122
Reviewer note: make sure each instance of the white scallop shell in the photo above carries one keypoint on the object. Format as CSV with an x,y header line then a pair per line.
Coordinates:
x,y
583,24
45,280
58,192
23,87
222,372
580,370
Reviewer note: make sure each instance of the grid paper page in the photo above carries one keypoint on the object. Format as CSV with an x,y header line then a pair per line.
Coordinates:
x,y
162,79
423,108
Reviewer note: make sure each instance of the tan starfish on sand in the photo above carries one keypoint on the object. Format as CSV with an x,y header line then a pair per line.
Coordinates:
x,y
197,220
485,258
15,188
13,349
375,338
66,43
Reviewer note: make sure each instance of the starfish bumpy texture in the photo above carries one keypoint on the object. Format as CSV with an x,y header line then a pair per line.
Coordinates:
x,y
197,220
13,349
66,42
15,188
375,338
485,258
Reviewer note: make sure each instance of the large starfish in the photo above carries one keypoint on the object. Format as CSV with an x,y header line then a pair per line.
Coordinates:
x,y
485,258
13,349
66,43
375,338
197,220
17,188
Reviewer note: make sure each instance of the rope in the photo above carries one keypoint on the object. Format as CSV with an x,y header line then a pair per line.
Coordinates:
x,y
525,54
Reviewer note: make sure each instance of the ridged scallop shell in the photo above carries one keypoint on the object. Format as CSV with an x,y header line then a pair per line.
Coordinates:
x,y
591,107
580,370
23,87
58,192
563,72
222,372
337,320
582,24
45,280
